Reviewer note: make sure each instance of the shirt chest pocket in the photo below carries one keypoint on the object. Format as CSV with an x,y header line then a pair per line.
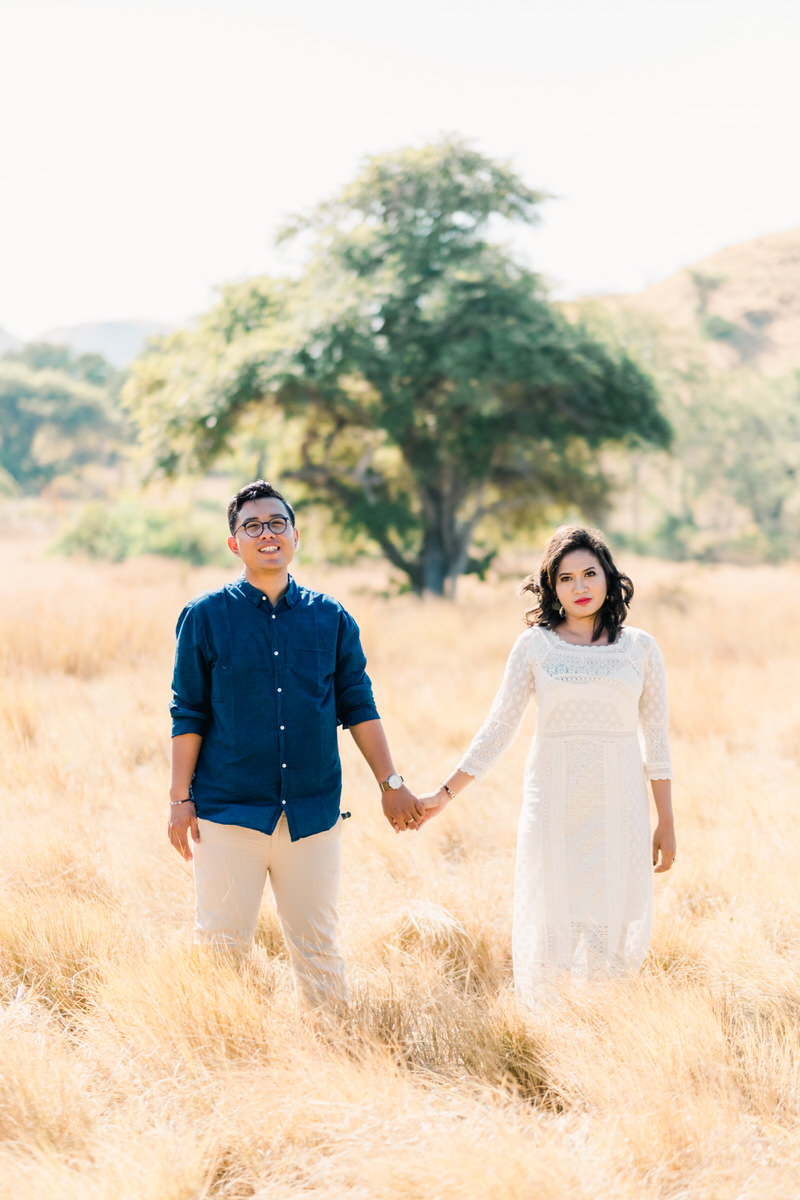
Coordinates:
x,y
241,686
313,671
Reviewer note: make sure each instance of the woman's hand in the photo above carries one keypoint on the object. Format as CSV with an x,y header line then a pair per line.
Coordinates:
x,y
433,803
664,846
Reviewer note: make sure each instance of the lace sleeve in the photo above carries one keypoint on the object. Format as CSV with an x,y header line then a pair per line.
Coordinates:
x,y
501,726
653,715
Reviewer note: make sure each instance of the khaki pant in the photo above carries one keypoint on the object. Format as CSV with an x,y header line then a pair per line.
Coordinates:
x,y
231,864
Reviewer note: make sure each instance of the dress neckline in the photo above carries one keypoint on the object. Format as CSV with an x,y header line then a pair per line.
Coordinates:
x,y
586,645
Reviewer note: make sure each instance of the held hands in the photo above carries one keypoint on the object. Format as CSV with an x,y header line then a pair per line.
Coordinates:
x,y
430,804
183,823
402,809
434,802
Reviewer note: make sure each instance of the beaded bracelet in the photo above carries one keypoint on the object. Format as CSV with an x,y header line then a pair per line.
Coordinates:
x,y
449,791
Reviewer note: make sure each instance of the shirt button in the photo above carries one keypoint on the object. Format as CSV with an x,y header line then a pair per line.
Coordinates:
x,y
280,689
283,802
283,726
273,616
283,764
275,652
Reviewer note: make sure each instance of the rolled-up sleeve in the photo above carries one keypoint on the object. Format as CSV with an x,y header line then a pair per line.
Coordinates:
x,y
190,707
354,700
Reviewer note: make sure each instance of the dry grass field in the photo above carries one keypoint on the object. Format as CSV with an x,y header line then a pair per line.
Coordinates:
x,y
134,1068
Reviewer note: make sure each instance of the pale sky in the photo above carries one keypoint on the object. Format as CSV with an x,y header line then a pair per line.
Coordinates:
x,y
150,148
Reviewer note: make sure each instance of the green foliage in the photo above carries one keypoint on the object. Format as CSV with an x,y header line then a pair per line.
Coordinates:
x,y
129,529
730,490
705,285
748,340
414,377
761,459
719,329
56,414
759,318
91,368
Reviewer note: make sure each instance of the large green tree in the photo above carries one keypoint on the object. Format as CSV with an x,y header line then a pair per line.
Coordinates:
x,y
423,381
56,414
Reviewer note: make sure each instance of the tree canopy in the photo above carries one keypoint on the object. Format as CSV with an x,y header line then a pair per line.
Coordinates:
x,y
55,414
422,380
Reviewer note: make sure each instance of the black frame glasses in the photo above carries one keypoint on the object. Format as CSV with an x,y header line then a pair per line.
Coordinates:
x,y
254,528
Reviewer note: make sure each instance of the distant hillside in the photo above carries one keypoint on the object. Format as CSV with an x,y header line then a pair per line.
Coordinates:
x,y
742,302
118,341
8,342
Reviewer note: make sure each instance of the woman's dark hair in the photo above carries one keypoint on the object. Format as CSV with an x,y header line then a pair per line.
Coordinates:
x,y
619,593
259,490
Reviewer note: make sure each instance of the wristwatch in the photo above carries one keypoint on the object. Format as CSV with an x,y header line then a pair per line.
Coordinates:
x,y
392,783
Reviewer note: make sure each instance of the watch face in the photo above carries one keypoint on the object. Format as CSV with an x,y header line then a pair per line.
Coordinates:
x,y
395,781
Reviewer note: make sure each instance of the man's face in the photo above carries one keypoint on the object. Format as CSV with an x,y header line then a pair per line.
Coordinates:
x,y
268,552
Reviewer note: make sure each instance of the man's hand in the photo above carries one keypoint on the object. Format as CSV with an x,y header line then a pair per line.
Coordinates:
x,y
183,822
402,809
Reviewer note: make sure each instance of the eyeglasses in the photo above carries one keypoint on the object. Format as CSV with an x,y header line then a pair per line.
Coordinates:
x,y
254,528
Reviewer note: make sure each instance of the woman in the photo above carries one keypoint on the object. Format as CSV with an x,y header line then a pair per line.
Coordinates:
x,y
583,900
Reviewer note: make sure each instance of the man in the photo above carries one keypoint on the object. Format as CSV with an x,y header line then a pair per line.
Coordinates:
x,y
264,672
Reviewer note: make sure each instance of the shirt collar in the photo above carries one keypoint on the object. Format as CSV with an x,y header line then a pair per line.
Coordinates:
x,y
256,596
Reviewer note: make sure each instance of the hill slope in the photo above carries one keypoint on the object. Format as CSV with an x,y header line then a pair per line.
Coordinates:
x,y
743,301
118,341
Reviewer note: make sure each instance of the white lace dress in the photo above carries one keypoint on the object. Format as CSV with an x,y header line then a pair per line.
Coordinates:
x,y
583,899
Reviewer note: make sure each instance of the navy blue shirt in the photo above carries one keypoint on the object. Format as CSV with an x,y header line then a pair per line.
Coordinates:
x,y
266,689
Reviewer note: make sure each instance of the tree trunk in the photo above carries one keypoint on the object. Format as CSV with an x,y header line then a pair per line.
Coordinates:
x,y
442,557
434,562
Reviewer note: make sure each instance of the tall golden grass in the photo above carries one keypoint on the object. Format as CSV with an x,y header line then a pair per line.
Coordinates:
x,y
132,1066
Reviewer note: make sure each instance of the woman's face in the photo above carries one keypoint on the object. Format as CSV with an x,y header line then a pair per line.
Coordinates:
x,y
580,584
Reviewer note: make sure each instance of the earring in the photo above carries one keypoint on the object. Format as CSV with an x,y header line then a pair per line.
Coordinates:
x,y
560,610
